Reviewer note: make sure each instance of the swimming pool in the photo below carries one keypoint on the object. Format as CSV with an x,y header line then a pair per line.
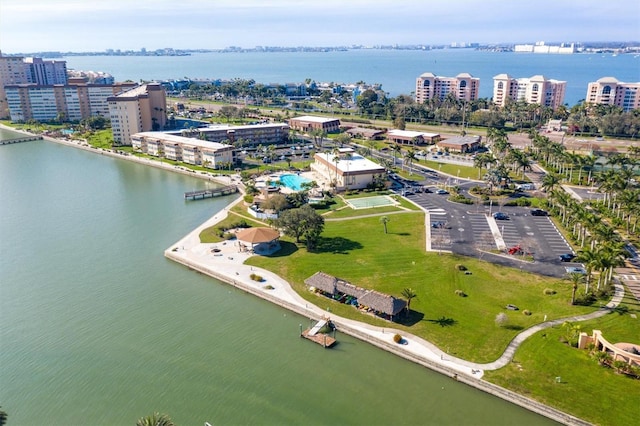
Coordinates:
x,y
293,181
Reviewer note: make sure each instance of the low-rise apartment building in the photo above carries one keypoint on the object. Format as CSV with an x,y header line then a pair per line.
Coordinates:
x,y
534,90
240,136
347,170
460,144
610,91
188,150
463,87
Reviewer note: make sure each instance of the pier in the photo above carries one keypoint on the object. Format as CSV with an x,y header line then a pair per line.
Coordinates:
x,y
209,193
20,140
313,334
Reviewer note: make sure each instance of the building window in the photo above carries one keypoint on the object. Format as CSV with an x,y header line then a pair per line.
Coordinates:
x,y
606,90
426,83
500,86
463,84
534,88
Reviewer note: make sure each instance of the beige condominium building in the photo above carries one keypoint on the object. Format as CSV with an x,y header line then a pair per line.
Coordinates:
x,y
463,87
240,136
610,91
12,71
141,109
534,90
347,169
70,102
187,150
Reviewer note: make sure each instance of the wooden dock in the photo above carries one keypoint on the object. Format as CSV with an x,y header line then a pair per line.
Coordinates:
x,y
313,334
209,193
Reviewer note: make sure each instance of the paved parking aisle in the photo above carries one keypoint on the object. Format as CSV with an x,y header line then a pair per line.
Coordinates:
x,y
481,231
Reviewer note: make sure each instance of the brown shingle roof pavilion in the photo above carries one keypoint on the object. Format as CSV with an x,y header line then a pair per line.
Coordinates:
x,y
258,235
382,302
323,282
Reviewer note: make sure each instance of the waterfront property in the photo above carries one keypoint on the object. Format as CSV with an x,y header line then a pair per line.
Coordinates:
x,y
188,150
610,91
534,90
308,123
346,170
463,87
141,109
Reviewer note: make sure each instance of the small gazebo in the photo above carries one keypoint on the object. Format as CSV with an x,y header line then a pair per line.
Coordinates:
x,y
261,239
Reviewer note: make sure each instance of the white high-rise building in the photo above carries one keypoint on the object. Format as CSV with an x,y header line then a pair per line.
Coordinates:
x,y
142,109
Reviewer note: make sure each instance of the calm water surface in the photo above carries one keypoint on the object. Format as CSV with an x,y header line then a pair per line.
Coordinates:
x,y
97,327
396,70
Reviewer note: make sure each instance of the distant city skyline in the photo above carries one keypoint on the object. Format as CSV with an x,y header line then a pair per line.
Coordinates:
x,y
77,25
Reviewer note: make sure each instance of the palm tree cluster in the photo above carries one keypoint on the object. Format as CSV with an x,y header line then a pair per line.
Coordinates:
x,y
601,247
501,160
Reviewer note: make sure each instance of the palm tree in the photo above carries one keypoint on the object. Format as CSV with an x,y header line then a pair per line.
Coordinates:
x,y
384,220
409,157
550,181
347,156
591,259
409,294
483,160
575,278
156,419
395,148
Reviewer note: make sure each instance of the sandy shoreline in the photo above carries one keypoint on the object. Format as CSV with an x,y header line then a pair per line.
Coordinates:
x,y
227,265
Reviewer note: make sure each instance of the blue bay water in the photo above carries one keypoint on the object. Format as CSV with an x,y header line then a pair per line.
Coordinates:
x,y
97,327
396,70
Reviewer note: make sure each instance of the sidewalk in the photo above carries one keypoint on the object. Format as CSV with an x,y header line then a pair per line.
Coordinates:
x,y
227,264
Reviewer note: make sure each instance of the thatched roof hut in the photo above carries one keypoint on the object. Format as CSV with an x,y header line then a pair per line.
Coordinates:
x,y
381,302
323,282
350,289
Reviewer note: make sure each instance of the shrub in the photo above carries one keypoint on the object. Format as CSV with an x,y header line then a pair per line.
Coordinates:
x,y
461,293
248,199
502,319
549,291
461,267
256,277
526,312
397,338
268,287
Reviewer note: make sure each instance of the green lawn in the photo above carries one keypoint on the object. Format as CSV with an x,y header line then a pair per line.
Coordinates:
x,y
587,390
358,250
465,172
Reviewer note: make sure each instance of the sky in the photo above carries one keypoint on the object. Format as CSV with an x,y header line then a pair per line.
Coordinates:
x,y
90,25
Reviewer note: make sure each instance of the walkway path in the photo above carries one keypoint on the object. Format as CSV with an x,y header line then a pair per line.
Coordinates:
x,y
227,264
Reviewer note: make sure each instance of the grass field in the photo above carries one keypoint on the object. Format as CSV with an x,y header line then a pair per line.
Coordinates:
x,y
358,251
586,389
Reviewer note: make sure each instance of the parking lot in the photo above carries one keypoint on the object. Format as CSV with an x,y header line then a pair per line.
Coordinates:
x,y
471,230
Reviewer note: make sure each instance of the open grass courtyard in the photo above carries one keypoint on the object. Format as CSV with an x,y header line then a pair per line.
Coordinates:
x,y
358,250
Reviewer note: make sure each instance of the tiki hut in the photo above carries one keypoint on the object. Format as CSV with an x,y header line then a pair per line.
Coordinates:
x,y
382,303
323,282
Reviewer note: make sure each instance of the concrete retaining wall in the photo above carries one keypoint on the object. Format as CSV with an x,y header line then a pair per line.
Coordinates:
x,y
483,385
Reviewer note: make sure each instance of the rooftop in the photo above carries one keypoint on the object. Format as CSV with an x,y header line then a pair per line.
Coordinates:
x,y
314,119
167,137
355,164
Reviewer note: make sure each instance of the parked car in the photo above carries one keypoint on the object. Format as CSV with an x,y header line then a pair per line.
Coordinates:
x,y
567,257
440,224
500,216
441,192
538,212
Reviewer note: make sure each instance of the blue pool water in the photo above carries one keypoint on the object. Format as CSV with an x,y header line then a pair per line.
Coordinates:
x,y
293,181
